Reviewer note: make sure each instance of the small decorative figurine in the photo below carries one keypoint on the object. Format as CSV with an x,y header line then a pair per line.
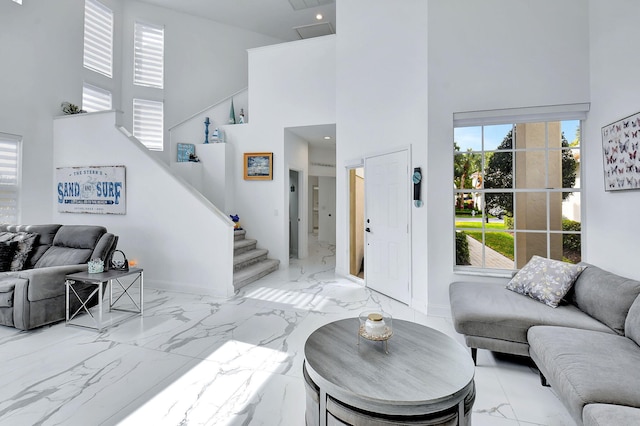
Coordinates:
x,y
215,136
236,220
241,115
232,114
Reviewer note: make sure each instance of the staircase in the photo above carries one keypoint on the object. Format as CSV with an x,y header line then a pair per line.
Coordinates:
x,y
249,262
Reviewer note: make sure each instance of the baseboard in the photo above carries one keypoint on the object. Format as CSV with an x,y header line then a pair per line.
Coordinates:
x,y
443,311
186,288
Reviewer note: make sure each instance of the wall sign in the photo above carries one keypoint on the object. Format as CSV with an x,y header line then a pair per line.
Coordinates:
x,y
99,189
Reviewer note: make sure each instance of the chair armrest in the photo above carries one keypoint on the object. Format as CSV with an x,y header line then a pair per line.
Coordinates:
x,y
48,282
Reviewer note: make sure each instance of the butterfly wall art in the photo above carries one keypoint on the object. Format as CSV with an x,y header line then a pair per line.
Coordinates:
x,y
621,162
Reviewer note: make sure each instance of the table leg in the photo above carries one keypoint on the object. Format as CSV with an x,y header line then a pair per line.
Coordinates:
x,y
67,284
100,296
141,292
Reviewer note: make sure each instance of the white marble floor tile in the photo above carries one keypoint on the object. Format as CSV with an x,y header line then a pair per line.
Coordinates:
x,y
199,360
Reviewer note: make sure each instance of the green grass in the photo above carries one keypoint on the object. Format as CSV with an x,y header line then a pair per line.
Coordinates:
x,y
502,242
478,225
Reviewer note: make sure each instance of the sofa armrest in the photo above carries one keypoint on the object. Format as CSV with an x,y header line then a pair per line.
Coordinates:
x,y
48,282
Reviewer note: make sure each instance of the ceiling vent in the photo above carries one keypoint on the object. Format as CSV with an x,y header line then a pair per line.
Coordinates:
x,y
315,30
307,4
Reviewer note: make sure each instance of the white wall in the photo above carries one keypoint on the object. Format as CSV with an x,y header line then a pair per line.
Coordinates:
x,y
498,54
290,85
41,45
382,104
177,236
297,158
320,159
610,237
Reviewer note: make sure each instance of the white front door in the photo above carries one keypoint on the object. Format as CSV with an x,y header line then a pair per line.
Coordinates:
x,y
387,201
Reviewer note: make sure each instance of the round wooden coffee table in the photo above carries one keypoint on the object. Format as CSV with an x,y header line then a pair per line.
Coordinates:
x,y
426,378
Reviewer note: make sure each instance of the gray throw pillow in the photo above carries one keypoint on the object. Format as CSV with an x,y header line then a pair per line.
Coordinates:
x,y
7,250
545,280
25,241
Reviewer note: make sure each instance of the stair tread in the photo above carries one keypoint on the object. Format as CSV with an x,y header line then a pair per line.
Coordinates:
x,y
255,269
243,243
248,255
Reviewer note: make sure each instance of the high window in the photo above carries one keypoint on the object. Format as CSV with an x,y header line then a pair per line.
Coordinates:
x,y
148,55
516,190
98,38
95,98
9,178
148,123
148,80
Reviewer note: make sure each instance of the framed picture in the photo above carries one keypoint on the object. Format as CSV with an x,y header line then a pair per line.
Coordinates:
x,y
91,189
620,148
258,165
184,151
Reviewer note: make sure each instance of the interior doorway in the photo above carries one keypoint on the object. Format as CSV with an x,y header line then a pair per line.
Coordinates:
x,y
294,213
356,222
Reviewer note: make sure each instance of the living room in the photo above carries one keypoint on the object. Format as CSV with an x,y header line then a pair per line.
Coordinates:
x,y
400,74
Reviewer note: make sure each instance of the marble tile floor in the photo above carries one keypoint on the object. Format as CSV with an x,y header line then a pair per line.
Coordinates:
x,y
199,360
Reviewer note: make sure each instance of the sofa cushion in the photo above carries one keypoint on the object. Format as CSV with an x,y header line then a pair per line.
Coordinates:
x,y
7,251
609,414
632,323
587,367
72,245
605,296
489,310
545,280
6,292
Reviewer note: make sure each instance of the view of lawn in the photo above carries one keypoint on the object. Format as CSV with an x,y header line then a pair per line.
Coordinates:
x,y
502,242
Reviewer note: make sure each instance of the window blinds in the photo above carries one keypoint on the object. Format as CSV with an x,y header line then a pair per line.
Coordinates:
x,y
148,123
148,55
95,98
98,38
9,178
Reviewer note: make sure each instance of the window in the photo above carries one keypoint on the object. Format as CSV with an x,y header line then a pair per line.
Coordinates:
x,y
98,38
95,99
148,55
9,178
516,191
148,123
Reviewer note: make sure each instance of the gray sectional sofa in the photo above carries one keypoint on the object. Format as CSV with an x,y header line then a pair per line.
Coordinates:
x,y
34,295
587,348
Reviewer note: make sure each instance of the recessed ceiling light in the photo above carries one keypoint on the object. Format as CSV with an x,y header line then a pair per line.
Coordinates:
x,y
327,138
319,16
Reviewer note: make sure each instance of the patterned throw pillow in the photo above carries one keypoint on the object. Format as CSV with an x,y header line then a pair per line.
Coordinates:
x,y
7,250
545,280
25,241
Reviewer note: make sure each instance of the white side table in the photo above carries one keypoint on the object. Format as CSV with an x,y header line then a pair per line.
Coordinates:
x,y
100,280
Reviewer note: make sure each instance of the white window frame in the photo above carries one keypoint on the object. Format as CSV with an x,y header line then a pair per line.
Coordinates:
x,y
517,116
98,38
11,190
147,128
148,55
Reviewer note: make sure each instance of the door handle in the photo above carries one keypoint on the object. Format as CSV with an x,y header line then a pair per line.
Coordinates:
x,y
367,229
